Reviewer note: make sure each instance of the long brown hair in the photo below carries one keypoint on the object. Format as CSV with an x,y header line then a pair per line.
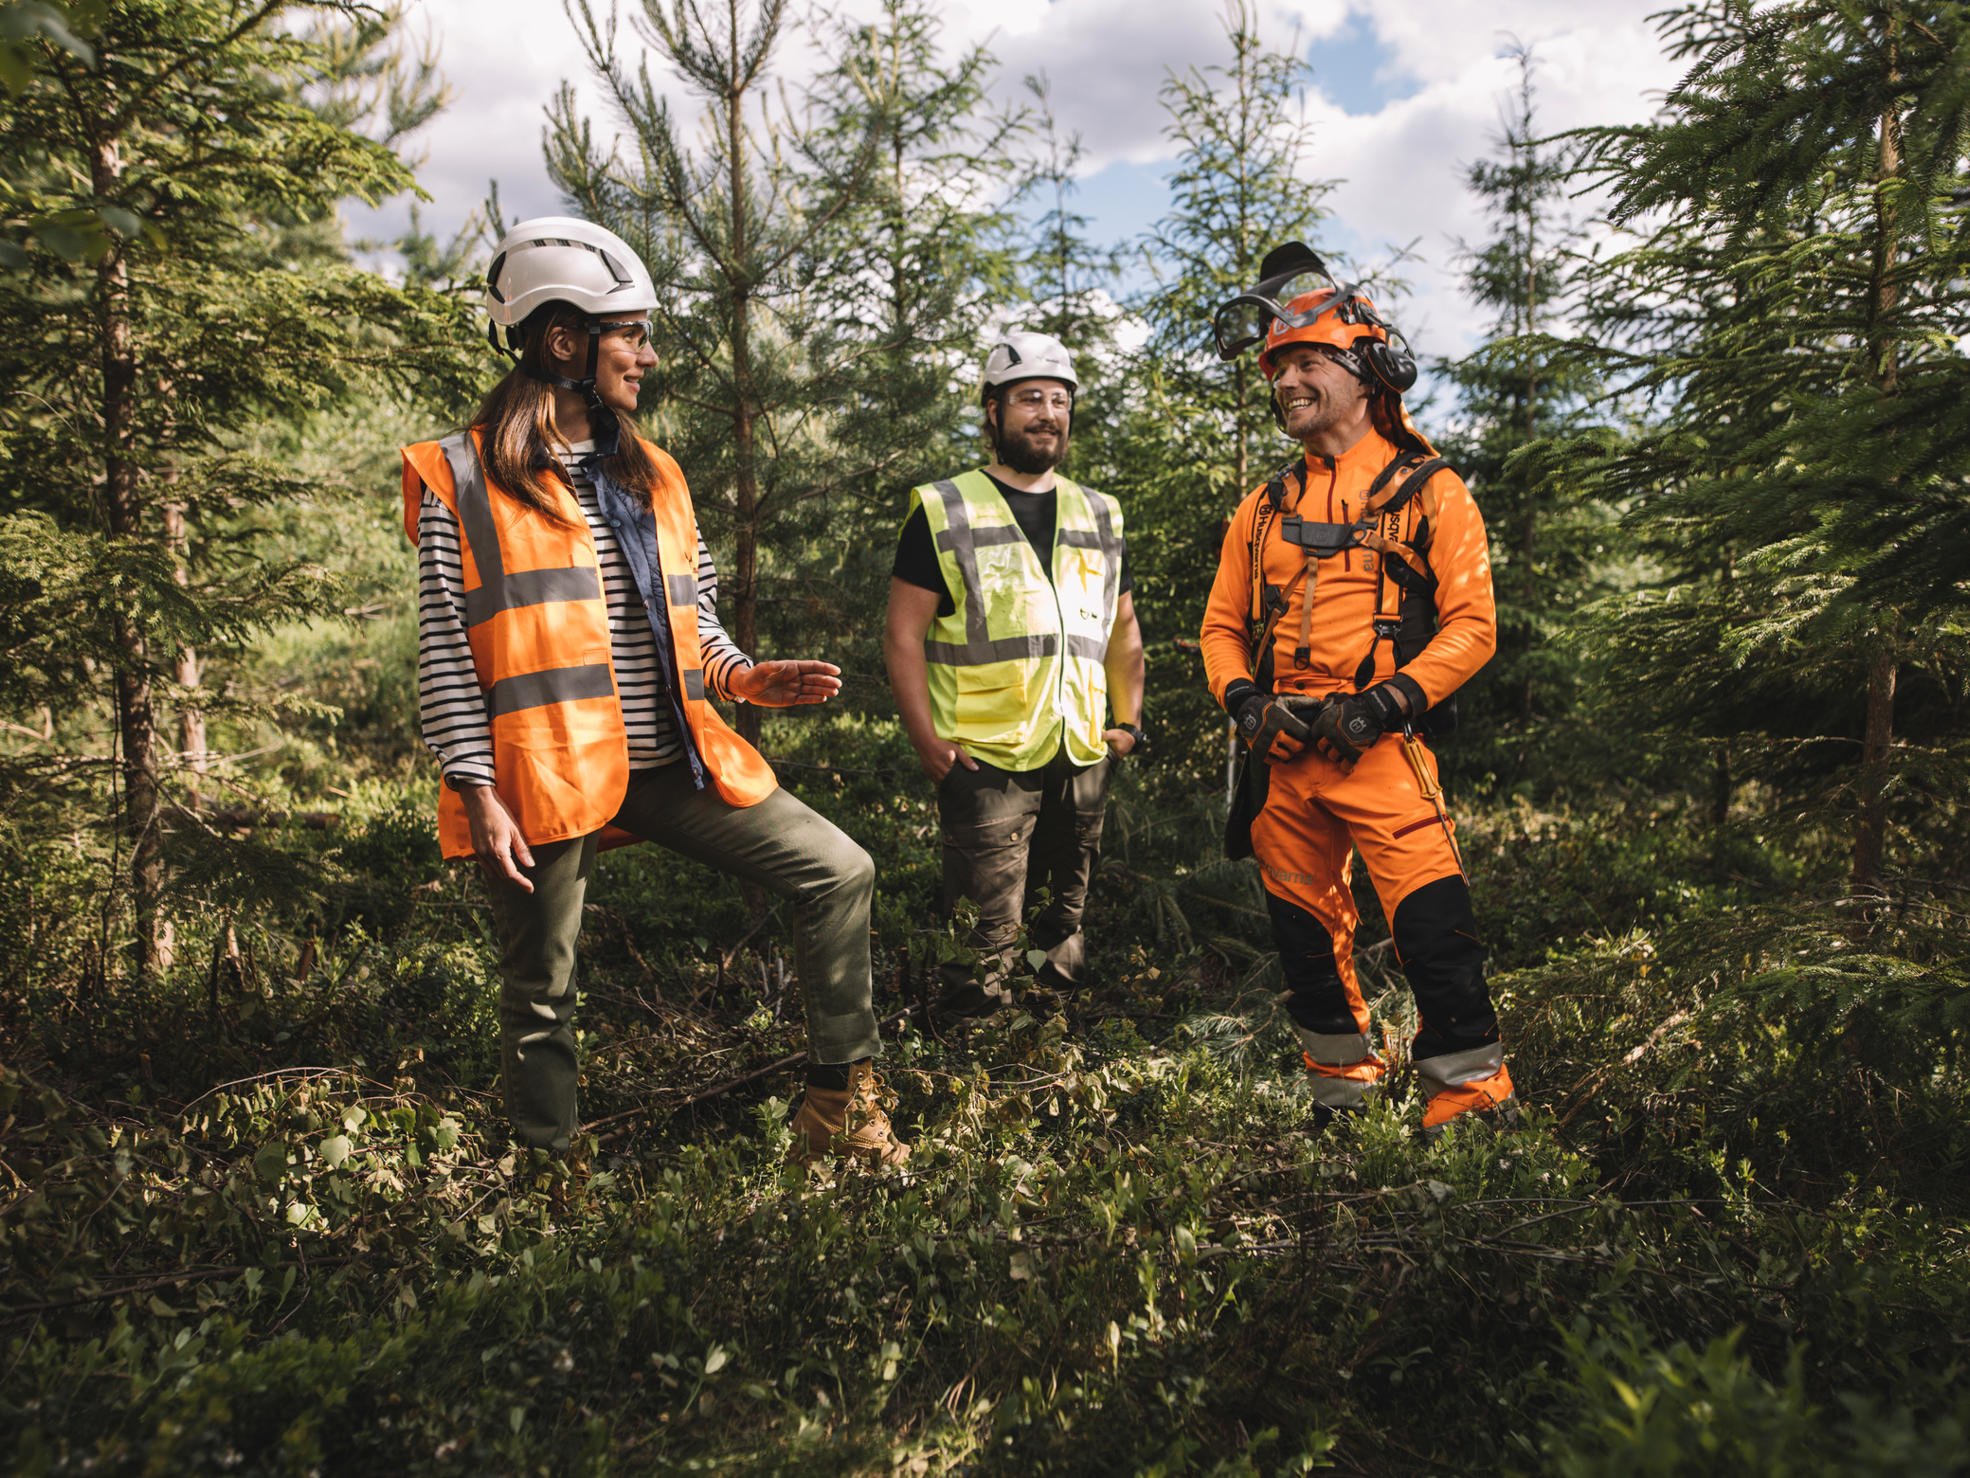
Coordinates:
x,y
516,424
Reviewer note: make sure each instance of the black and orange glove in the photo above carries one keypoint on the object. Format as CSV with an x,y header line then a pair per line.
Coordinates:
x,y
1344,728
1272,724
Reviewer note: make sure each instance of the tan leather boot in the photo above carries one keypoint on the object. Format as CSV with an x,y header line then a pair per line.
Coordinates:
x,y
847,1123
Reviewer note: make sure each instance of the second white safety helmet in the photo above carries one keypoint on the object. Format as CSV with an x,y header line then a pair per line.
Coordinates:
x,y
563,259
1024,355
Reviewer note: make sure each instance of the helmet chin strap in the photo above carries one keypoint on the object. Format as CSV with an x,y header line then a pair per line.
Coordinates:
x,y
603,425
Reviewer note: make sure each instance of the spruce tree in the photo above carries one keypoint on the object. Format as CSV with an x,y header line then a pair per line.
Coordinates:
x,y
1066,284
754,363
915,266
1517,389
1238,189
1791,298
212,125
1200,433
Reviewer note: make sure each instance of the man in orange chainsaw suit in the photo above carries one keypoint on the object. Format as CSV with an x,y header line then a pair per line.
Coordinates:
x,y
1352,599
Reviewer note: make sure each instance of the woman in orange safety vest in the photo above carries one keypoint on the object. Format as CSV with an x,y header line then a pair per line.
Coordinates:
x,y
568,647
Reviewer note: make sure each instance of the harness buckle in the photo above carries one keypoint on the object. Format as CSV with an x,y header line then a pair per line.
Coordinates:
x,y
1324,539
1387,628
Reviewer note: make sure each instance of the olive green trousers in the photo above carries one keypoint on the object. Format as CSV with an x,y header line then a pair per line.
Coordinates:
x,y
780,844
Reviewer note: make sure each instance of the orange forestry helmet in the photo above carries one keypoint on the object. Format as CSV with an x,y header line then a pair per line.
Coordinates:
x,y
1322,317
1298,301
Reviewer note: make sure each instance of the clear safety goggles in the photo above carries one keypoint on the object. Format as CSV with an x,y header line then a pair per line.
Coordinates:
x,y
635,332
1246,319
1031,397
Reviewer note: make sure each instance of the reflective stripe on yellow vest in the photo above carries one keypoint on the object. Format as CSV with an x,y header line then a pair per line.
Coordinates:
x,y
1016,670
538,626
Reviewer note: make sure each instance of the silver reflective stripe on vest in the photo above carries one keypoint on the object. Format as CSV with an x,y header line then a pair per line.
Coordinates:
x,y
527,588
1005,649
1338,1050
683,589
555,685
694,684
1009,533
1333,1049
1453,1069
499,591
468,483
959,537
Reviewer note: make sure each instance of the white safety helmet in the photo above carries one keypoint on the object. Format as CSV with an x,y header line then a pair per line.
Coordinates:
x,y
562,259
1022,355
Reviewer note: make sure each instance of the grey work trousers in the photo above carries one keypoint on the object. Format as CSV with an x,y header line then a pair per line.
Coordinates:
x,y
1008,835
780,844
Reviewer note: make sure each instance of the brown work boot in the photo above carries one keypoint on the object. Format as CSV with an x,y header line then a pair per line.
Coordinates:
x,y
847,1123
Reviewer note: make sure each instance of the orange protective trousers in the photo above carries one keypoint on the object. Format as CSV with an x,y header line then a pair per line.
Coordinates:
x,y
1316,815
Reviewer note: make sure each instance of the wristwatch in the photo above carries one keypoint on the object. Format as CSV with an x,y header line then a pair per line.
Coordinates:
x,y
1134,731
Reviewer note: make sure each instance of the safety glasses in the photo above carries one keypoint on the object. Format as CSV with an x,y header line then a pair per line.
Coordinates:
x,y
634,331
1288,272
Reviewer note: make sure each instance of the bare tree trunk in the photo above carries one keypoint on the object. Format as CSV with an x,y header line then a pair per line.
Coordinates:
x,y
135,714
899,244
185,668
1242,390
1723,784
745,492
1528,551
1878,733
1876,741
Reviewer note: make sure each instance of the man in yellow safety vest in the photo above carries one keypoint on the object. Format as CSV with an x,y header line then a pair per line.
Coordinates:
x,y
1011,640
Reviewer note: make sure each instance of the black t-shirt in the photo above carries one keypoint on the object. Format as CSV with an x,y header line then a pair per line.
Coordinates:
x,y
916,556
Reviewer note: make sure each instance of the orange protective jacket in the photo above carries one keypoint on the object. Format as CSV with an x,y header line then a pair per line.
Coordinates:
x,y
1347,586
539,631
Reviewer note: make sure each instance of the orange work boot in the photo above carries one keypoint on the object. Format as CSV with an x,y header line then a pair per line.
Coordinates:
x,y
847,1123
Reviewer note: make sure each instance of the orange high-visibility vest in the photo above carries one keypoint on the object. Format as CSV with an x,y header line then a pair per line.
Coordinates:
x,y
539,630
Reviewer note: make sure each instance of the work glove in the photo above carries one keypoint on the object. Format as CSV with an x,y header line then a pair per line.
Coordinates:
x,y
1272,724
1345,727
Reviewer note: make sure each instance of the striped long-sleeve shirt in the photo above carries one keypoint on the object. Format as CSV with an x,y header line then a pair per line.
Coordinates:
x,y
452,705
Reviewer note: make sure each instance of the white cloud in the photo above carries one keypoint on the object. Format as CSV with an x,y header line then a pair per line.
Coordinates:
x,y
504,60
1400,167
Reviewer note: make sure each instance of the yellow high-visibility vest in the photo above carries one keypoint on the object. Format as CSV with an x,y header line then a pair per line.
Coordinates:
x,y
1017,669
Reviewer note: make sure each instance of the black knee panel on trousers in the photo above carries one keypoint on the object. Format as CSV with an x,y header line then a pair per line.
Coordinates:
x,y
1306,957
1436,939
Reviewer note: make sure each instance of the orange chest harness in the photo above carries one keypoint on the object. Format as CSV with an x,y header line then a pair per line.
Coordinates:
x,y
1405,608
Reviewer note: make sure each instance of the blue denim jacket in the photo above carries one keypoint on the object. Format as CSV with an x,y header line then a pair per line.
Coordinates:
x,y
635,526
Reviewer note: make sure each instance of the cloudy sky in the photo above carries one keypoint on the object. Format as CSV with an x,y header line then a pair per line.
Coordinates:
x,y
1405,94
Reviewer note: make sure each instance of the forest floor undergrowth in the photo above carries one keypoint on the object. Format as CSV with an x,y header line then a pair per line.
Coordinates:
x,y
263,1218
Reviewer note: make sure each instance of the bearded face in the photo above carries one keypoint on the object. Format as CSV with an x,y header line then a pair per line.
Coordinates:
x,y
1030,425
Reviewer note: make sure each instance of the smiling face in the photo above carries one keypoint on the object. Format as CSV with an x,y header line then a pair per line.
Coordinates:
x,y
622,356
1030,423
1325,406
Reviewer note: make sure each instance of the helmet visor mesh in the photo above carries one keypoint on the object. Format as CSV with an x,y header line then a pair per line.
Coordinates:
x,y
1247,318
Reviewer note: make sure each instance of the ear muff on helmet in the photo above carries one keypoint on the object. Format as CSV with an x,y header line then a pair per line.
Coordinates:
x,y
1391,363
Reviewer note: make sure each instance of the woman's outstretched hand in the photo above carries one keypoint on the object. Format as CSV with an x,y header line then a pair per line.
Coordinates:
x,y
787,684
